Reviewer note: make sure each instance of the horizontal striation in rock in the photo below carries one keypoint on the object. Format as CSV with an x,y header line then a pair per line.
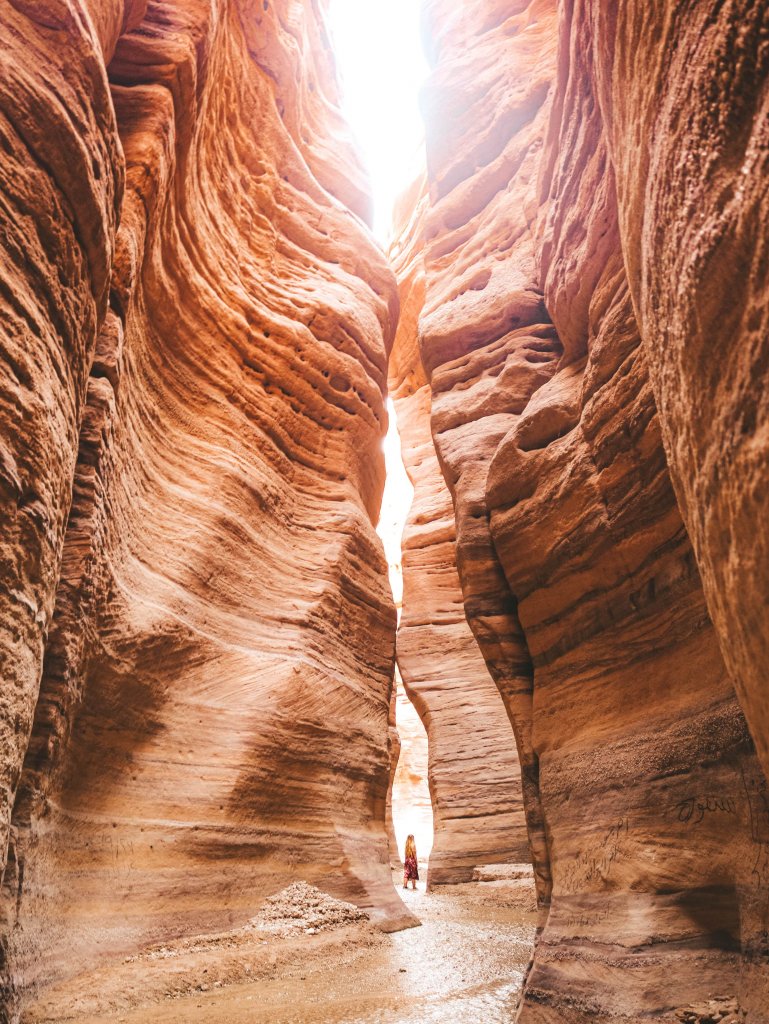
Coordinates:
x,y
485,336
694,210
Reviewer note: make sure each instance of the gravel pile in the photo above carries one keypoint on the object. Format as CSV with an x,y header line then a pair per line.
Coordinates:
x,y
502,872
303,908
715,1011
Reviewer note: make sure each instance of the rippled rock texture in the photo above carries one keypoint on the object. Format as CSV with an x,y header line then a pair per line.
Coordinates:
x,y
194,338
581,222
694,208
473,770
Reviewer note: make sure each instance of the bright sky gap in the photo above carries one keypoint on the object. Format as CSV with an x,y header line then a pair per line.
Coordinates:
x,y
381,69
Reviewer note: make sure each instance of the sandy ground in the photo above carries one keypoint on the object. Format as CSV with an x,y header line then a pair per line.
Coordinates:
x,y
464,964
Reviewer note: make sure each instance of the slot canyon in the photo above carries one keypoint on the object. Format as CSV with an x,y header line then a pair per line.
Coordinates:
x,y
200,336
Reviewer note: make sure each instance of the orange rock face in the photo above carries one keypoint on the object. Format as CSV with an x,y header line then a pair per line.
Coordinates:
x,y
474,774
212,716
646,802
693,208
62,181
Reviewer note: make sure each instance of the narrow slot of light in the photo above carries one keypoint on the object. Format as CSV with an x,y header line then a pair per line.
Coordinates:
x,y
396,502
381,67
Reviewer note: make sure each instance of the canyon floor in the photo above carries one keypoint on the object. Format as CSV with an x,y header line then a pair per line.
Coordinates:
x,y
465,963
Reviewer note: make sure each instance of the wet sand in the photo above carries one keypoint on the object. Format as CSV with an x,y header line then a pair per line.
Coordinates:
x,y
465,963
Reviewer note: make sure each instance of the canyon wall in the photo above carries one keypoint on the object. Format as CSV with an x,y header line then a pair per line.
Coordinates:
x,y
693,208
62,181
646,804
473,771
195,335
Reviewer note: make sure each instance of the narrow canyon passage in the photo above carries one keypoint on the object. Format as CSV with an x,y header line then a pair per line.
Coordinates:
x,y
546,257
409,806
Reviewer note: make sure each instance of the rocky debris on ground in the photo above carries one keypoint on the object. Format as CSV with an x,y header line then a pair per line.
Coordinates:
x,y
502,872
714,1011
301,907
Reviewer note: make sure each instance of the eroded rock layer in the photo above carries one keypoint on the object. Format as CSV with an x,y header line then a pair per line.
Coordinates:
x,y
62,180
486,340
644,796
694,208
212,717
474,774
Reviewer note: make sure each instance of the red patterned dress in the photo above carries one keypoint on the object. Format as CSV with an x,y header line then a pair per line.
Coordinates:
x,y
410,870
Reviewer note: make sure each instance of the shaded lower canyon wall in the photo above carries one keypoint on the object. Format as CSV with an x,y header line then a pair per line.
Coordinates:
x,y
197,394
474,774
646,805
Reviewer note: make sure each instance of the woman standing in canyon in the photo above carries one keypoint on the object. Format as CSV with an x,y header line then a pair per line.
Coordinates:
x,y
410,867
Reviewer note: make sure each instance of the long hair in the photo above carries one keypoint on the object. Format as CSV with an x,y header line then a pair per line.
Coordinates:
x,y
411,847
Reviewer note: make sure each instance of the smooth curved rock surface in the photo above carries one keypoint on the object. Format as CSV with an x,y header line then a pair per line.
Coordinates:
x,y
213,713
473,772
645,798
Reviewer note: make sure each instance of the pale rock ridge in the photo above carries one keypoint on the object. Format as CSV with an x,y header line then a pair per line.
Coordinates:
x,y
473,770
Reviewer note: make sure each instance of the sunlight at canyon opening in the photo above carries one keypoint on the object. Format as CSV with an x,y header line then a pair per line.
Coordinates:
x,y
411,804
381,66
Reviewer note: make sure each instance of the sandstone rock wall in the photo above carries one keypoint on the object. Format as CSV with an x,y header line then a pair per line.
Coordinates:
x,y
62,182
645,799
474,774
694,208
196,634
212,716
486,340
